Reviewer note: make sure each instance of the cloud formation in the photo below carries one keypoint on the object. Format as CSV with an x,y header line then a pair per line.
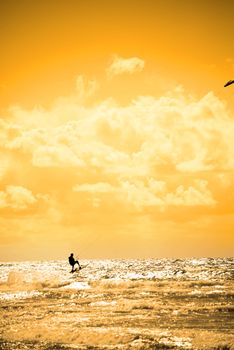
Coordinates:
x,y
120,65
152,194
141,148
16,197
106,167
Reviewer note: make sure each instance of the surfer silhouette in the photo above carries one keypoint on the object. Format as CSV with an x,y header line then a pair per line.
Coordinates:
x,y
72,262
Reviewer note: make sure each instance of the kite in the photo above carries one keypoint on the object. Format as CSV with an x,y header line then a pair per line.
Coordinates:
x,y
229,83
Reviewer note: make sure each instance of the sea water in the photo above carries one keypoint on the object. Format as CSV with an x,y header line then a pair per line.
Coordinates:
x,y
117,304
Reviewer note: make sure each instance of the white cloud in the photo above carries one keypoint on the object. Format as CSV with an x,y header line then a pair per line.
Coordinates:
x,y
56,156
153,167
192,196
172,133
85,88
16,197
153,194
122,65
100,187
153,152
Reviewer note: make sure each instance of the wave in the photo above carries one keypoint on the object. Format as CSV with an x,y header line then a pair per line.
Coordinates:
x,y
23,281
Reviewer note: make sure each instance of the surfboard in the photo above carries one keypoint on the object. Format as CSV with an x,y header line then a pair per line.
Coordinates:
x,y
77,270
82,267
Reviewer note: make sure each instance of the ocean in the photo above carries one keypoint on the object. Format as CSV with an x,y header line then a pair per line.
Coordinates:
x,y
118,304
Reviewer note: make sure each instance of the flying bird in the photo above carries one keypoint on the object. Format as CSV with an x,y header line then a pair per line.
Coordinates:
x,y
229,83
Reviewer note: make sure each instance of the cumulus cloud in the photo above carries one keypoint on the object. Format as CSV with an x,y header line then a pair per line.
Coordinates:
x,y
153,194
16,197
121,65
85,88
56,155
153,157
100,187
150,137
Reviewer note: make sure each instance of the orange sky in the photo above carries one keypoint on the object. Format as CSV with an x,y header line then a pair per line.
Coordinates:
x,y
116,134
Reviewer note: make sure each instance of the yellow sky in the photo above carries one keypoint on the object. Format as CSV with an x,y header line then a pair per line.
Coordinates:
x,y
116,134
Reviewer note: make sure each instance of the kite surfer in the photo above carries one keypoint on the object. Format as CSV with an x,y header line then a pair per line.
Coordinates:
x,y
72,262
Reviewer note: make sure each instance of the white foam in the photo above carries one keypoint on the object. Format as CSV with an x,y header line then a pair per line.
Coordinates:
x,y
16,278
77,285
18,295
135,276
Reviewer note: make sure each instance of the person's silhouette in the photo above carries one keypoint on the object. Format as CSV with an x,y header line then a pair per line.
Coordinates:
x,y
72,262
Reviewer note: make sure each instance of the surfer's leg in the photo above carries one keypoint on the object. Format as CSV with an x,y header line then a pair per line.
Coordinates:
x,y
77,262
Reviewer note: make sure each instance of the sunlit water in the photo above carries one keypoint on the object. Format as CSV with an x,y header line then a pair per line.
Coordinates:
x,y
117,304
